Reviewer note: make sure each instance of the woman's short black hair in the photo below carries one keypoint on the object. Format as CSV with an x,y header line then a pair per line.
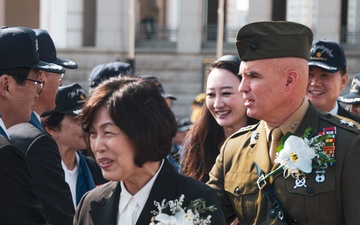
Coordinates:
x,y
138,109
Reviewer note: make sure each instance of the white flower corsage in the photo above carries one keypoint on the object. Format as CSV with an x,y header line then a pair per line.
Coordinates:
x,y
297,156
173,213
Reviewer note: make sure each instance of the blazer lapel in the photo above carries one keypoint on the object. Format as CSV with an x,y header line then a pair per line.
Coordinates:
x,y
106,212
35,121
165,187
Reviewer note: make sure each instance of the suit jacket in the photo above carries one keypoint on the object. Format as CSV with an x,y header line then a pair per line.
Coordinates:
x,y
18,201
44,162
335,201
345,113
100,205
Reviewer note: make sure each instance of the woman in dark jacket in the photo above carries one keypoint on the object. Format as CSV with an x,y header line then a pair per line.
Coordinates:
x,y
129,128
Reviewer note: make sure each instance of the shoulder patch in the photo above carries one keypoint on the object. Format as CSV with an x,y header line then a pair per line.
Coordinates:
x,y
244,130
341,121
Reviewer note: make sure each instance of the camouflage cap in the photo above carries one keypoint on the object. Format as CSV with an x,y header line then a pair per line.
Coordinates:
x,y
273,39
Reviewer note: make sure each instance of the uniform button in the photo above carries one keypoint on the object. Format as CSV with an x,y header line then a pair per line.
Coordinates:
x,y
310,190
237,191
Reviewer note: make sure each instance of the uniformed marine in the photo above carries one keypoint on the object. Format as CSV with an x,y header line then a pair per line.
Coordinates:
x,y
274,71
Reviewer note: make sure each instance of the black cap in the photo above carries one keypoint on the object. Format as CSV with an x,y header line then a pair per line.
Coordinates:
x,y
327,55
47,51
107,70
273,39
184,125
19,48
158,84
69,100
354,95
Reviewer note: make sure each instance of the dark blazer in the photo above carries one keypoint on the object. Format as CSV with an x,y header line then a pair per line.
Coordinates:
x,y
345,113
332,202
100,205
18,201
44,162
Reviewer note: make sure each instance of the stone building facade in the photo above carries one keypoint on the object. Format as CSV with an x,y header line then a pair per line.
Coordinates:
x,y
172,39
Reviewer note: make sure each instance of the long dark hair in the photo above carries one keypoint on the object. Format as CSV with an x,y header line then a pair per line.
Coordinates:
x,y
203,141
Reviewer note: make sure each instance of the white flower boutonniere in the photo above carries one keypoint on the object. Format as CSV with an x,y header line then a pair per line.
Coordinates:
x,y
298,156
173,213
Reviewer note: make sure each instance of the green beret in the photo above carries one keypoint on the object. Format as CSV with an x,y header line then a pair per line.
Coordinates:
x,y
273,39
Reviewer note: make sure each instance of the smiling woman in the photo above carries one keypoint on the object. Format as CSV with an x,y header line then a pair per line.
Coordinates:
x,y
129,128
222,114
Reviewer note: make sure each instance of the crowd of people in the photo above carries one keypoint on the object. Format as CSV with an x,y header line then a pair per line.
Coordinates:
x,y
270,141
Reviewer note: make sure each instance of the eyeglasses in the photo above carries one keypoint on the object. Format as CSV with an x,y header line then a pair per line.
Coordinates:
x,y
61,76
39,85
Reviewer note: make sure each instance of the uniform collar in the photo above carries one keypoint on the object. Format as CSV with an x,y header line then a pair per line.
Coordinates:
x,y
292,123
335,110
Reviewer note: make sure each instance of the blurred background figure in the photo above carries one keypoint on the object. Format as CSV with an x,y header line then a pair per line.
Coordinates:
x,y
130,127
183,126
169,98
353,98
222,114
196,107
81,172
105,71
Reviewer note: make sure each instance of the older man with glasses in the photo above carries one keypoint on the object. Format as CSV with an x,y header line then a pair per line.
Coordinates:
x,y
20,85
42,153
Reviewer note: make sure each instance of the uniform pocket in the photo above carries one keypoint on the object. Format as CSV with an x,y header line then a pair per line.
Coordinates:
x,y
243,193
240,184
313,187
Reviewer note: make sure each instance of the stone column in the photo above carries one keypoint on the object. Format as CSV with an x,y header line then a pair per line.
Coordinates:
x,y
190,26
327,23
112,24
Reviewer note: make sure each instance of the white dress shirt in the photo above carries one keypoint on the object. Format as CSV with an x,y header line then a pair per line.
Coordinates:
x,y
130,206
335,110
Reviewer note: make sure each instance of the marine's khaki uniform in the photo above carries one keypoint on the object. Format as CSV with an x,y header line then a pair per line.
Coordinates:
x,y
336,201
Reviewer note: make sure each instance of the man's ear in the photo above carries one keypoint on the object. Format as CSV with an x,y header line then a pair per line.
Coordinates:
x,y
5,82
344,80
51,131
41,76
291,78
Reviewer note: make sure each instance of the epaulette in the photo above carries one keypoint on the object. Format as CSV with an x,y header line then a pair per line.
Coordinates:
x,y
341,121
244,130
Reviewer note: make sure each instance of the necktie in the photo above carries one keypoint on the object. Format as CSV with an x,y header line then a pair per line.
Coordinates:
x,y
276,135
130,212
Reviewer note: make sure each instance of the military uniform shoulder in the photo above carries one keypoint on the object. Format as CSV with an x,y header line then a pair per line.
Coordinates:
x,y
340,121
244,130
